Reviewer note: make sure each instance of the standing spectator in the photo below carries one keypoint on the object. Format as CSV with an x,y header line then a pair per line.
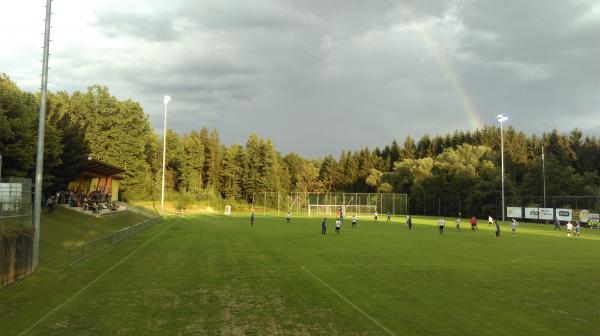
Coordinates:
x,y
50,204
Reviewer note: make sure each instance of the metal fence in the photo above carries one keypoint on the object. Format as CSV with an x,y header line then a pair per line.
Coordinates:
x,y
301,202
97,245
452,206
16,230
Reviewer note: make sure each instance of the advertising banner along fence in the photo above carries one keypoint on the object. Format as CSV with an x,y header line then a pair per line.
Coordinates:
x,y
564,214
584,216
514,212
546,213
532,213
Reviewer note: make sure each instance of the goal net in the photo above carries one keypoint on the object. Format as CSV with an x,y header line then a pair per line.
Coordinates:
x,y
347,210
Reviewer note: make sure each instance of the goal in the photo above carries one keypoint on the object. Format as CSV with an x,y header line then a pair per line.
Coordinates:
x,y
347,210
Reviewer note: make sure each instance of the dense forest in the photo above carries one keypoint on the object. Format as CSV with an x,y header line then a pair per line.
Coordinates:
x,y
464,165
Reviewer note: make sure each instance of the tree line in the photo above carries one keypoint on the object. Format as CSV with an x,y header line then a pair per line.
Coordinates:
x,y
464,165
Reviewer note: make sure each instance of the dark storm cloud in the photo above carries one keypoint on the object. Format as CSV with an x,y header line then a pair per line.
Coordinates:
x,y
322,76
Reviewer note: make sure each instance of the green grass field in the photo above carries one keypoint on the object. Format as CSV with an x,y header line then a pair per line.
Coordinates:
x,y
216,275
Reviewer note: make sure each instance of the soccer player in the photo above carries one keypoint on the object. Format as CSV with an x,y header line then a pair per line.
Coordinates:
x,y
490,220
288,217
252,218
324,226
337,214
375,215
441,225
338,223
513,226
473,223
389,217
569,228
341,214
354,221
457,224
577,228
409,222
497,229
557,225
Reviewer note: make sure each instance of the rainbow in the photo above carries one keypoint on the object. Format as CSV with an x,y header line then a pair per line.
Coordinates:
x,y
432,44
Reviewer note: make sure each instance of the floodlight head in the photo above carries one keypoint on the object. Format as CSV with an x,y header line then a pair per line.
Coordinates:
x,y
166,99
502,117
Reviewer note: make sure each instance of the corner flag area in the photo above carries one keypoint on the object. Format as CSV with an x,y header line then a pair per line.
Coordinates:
x,y
217,275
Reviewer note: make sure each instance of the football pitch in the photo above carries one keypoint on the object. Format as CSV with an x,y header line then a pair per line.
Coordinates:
x,y
217,275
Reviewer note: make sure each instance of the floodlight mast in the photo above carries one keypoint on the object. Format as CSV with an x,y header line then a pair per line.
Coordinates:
x,y
544,175
39,168
502,118
166,100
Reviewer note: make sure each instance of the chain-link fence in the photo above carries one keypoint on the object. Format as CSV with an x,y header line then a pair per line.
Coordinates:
x,y
317,203
16,230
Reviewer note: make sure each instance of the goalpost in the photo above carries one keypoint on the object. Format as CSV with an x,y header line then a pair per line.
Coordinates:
x,y
360,204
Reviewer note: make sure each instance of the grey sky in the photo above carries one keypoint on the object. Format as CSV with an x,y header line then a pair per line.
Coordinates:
x,y
321,76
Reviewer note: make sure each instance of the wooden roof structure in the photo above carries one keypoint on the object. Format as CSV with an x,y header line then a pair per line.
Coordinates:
x,y
98,168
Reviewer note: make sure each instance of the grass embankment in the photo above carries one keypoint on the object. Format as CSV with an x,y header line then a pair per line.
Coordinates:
x,y
60,231
216,275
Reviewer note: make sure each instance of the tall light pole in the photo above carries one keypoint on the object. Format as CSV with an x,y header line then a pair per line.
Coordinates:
x,y
39,168
502,118
166,100
544,174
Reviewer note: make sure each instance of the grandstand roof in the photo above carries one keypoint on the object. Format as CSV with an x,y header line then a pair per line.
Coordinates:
x,y
101,168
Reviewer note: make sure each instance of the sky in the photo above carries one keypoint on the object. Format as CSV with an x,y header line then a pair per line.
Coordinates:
x,y
322,76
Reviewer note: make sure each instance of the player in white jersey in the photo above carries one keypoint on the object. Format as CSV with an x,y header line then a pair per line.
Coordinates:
x,y
458,224
338,224
354,221
288,217
441,225
569,228
513,226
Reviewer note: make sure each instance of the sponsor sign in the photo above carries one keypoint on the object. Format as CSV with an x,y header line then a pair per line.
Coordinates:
x,y
584,216
532,213
564,214
514,212
546,213
594,217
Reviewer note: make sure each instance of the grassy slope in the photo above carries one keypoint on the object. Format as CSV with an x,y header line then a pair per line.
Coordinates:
x,y
216,275
59,231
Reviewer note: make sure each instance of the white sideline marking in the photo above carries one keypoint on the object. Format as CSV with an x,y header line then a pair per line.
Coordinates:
x,y
347,301
57,308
